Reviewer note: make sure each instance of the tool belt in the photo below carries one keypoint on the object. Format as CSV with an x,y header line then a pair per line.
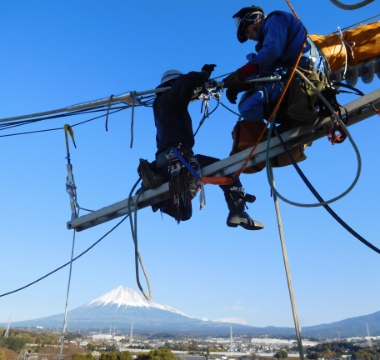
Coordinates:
x,y
183,184
301,101
163,157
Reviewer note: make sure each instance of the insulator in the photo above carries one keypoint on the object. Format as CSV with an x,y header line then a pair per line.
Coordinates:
x,y
376,65
352,77
369,72
337,77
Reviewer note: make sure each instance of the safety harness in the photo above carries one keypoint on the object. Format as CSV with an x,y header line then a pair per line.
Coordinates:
x,y
184,174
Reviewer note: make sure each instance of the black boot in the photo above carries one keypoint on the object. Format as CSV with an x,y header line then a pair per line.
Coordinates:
x,y
236,200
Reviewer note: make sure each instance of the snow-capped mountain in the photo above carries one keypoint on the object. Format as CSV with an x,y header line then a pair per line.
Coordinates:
x,y
123,306
124,296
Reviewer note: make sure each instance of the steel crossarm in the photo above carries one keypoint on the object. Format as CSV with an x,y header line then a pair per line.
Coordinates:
x,y
353,112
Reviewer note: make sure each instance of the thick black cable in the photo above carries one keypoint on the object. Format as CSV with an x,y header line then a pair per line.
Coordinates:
x,y
320,199
342,84
64,265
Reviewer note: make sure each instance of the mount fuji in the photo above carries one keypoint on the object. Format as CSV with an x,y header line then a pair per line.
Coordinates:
x,y
123,306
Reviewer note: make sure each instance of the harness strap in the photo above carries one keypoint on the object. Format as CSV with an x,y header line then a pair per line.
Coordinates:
x,y
185,163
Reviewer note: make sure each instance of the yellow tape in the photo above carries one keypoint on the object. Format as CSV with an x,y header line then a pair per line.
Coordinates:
x,y
69,130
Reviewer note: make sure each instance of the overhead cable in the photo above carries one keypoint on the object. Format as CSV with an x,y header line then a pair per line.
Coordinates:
x,y
64,265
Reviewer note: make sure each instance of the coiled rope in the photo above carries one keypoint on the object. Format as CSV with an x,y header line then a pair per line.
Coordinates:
x,y
351,7
133,223
349,137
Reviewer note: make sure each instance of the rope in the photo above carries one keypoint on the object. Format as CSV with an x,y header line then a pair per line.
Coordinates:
x,y
294,12
288,276
138,258
351,7
345,44
349,137
67,299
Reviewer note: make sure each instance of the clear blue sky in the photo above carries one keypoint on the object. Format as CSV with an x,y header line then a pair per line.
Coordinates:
x,y
56,54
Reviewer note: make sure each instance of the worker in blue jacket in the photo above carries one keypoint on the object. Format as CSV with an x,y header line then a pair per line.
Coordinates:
x,y
174,129
280,37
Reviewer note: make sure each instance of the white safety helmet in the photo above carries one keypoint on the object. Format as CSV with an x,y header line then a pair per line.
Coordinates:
x,y
169,75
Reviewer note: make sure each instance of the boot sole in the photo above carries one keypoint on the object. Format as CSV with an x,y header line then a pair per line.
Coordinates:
x,y
256,225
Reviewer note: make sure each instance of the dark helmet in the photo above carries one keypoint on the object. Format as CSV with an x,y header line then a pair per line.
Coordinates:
x,y
245,17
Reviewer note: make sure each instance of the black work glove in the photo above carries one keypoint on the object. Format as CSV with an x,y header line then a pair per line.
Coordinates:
x,y
235,79
232,94
208,68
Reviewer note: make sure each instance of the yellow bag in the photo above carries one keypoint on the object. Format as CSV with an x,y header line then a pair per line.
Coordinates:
x,y
361,43
333,49
364,41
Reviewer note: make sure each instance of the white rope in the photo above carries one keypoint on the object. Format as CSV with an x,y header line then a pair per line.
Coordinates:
x,y
344,127
202,196
67,299
287,270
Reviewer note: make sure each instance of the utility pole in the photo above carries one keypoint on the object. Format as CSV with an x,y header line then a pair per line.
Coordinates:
x,y
130,337
8,326
231,343
369,338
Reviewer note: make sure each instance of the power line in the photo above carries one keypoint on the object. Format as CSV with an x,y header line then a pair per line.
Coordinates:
x,y
64,265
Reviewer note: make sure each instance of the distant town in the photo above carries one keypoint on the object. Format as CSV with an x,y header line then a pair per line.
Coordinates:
x,y
46,344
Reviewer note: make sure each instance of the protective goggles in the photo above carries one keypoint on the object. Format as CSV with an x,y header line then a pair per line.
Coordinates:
x,y
243,23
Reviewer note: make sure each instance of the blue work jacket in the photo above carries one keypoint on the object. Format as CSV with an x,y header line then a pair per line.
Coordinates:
x,y
280,41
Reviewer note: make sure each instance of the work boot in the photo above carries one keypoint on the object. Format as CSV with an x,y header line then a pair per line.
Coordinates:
x,y
236,200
